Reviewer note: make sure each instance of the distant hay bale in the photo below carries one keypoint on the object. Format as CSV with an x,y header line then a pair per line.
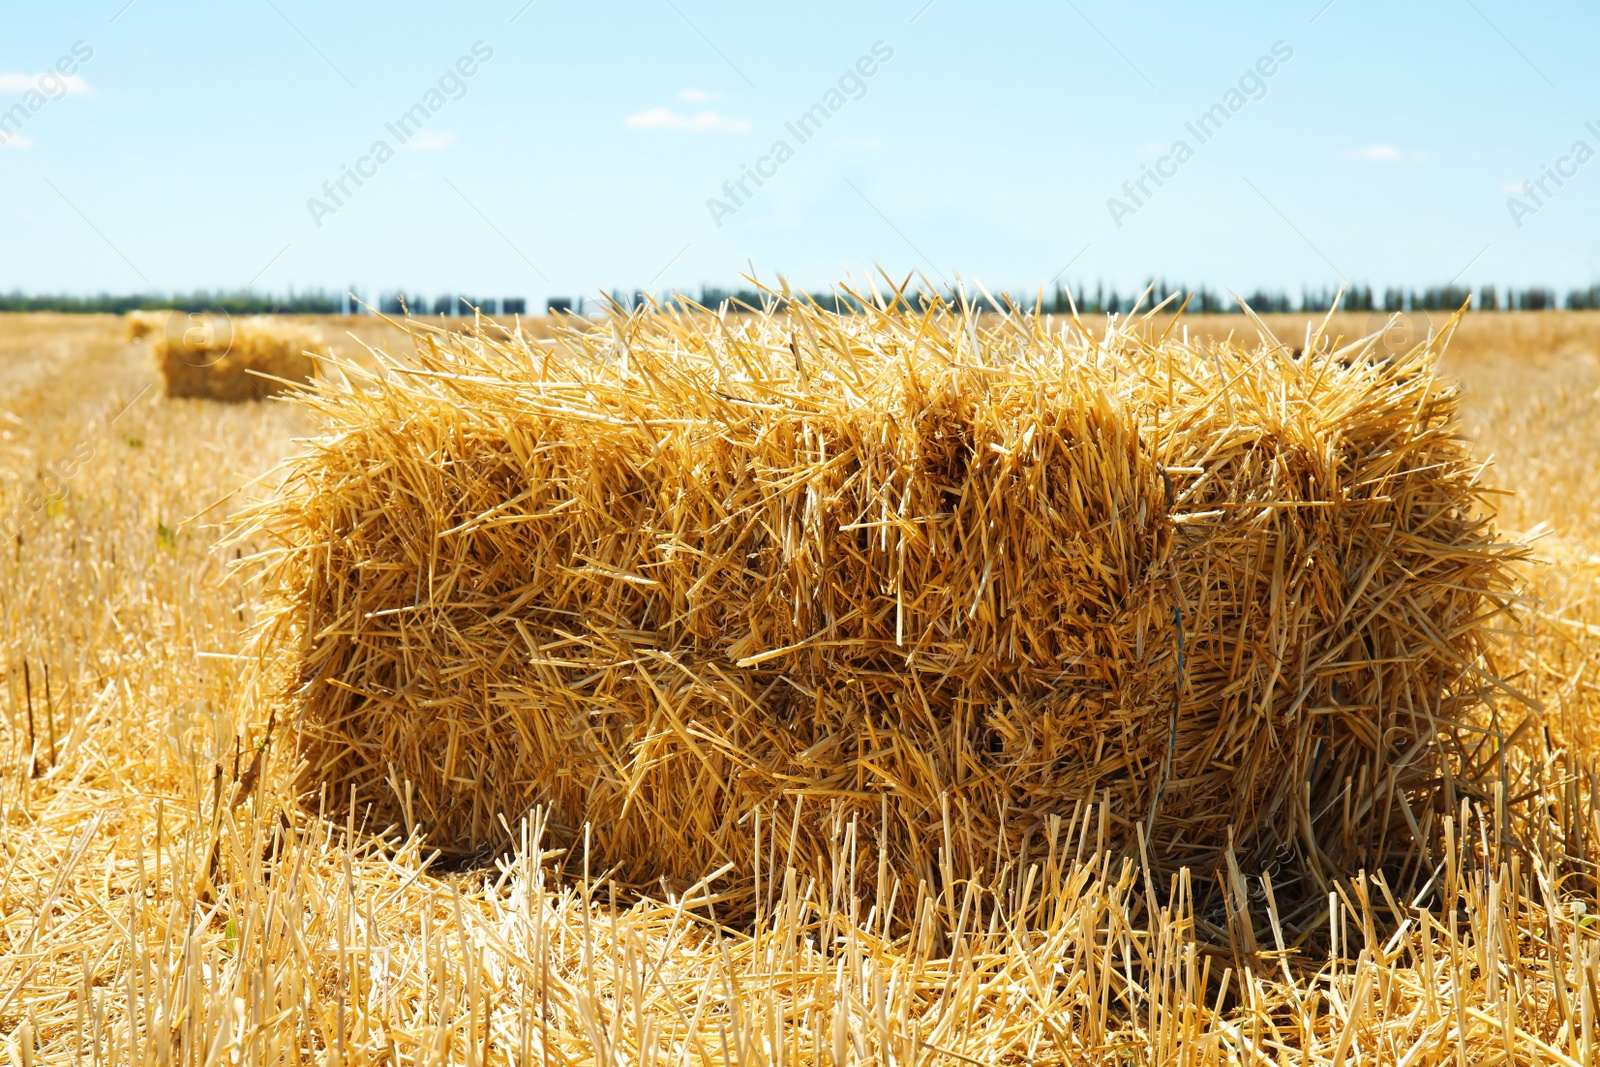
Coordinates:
x,y
142,324
679,573
250,359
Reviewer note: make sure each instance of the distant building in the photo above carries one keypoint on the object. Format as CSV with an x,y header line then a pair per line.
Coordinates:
x,y
514,305
558,305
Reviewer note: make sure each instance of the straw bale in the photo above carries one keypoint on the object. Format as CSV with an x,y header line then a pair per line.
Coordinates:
x,y
937,579
142,324
247,359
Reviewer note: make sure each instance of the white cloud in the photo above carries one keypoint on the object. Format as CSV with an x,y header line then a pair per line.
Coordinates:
x,y
430,140
697,96
16,140
659,118
1511,188
13,82
1378,153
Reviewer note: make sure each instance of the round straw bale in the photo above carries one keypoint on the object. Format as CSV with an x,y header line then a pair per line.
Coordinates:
x,y
895,573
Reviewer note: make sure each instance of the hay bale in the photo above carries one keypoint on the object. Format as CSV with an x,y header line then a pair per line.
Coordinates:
x,y
942,580
249,359
142,324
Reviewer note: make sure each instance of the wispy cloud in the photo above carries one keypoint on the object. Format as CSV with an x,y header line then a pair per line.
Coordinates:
x,y
659,118
1377,153
16,140
15,82
430,140
697,96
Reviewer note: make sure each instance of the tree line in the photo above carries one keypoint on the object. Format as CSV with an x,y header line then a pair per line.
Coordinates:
x,y
1058,300
238,302
1061,300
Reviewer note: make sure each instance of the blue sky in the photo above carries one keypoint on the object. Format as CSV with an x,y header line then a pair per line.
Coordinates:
x,y
585,150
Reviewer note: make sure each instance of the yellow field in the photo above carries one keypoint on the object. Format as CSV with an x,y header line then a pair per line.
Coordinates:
x,y
163,898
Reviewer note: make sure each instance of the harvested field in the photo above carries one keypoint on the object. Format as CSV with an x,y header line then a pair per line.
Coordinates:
x,y
165,901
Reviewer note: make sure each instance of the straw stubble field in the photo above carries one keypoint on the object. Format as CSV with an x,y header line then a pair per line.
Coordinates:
x,y
169,897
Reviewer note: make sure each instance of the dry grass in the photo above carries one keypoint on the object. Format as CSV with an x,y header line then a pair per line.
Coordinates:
x,y
162,906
